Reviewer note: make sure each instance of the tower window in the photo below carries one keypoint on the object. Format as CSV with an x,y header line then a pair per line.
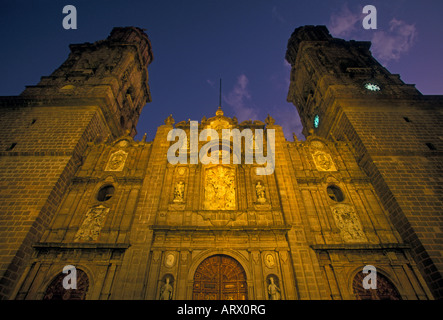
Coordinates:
x,y
407,119
316,121
12,146
431,146
33,121
335,193
105,193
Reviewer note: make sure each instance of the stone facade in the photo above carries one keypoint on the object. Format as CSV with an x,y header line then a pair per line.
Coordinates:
x,y
394,132
138,227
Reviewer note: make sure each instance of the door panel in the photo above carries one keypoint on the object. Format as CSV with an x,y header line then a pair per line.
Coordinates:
x,y
220,277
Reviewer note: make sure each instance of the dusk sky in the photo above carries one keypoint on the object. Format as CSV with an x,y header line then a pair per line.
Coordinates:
x,y
243,42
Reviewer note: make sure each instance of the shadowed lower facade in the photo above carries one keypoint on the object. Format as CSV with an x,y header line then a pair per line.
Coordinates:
x,y
77,189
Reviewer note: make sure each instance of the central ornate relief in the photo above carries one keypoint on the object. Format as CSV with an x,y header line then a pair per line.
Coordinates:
x,y
220,188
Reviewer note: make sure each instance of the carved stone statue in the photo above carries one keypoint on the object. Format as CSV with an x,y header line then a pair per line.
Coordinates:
x,y
260,190
273,290
166,291
269,120
169,120
179,192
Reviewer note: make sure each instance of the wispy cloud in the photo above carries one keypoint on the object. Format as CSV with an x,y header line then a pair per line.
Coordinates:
x,y
387,43
286,115
277,15
239,98
397,40
344,22
210,82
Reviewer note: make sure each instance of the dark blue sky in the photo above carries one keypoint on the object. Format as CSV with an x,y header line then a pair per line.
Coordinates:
x,y
197,42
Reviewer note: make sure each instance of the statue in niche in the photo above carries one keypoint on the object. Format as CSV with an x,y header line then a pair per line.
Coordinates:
x,y
179,192
348,223
166,291
260,190
92,225
273,290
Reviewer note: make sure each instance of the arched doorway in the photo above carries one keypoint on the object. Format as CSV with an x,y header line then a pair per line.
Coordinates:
x,y
55,290
220,277
385,289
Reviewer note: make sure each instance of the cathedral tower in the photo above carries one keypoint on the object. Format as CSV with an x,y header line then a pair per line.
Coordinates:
x,y
343,94
96,94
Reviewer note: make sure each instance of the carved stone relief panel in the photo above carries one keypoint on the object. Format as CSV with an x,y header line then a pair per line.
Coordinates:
x,y
92,225
269,260
220,188
169,260
116,161
348,222
322,158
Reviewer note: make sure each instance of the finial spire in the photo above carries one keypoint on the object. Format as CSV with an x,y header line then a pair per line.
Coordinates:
x,y
219,111
219,96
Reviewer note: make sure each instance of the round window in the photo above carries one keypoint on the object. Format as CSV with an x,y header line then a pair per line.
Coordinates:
x,y
105,193
335,193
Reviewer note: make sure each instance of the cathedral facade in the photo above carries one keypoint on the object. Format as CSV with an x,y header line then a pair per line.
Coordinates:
x,y
78,191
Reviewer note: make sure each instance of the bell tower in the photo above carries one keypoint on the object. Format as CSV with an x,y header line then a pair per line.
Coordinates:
x,y
325,68
343,94
95,95
113,70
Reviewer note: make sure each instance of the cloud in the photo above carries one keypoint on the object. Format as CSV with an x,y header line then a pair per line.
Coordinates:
x,y
211,83
344,22
390,45
276,15
239,98
286,115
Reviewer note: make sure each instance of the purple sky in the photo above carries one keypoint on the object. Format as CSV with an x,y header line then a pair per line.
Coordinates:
x,y
243,42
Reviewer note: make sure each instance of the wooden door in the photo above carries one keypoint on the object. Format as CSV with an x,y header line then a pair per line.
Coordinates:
x,y
220,277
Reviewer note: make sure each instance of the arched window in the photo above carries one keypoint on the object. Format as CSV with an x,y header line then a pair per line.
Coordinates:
x,y
105,193
56,291
385,289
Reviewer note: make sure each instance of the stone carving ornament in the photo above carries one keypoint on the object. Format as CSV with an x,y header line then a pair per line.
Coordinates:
x,y
166,291
220,189
260,190
117,161
179,192
170,260
92,225
269,260
273,290
348,223
322,158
